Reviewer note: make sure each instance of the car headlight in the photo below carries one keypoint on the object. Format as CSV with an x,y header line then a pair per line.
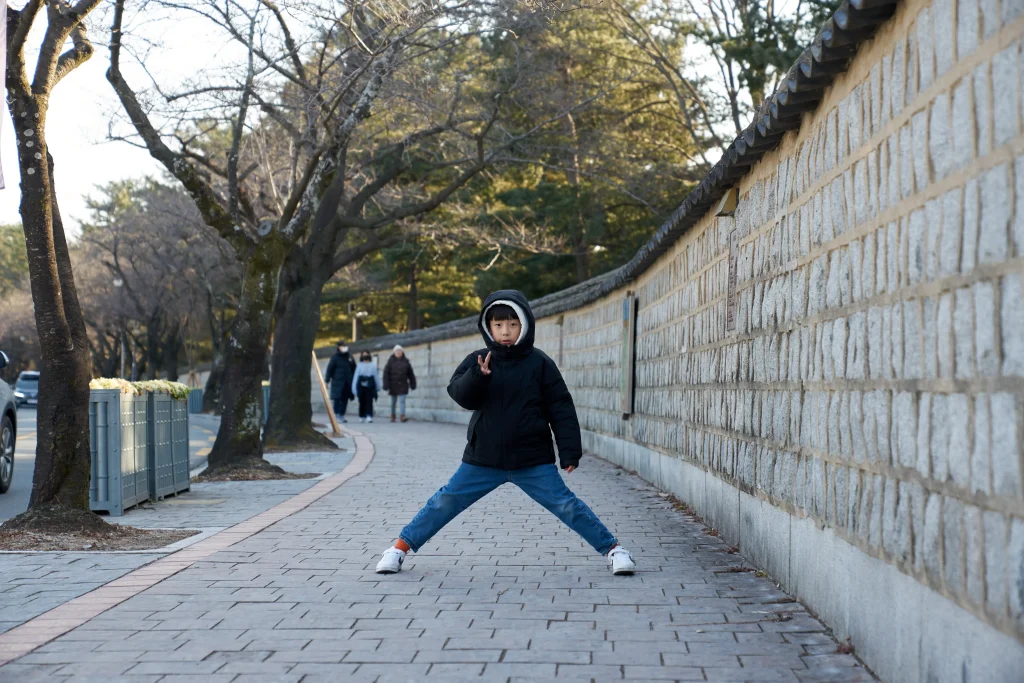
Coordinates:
x,y
18,395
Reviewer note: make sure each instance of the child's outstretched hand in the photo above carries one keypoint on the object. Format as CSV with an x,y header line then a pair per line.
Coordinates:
x,y
484,363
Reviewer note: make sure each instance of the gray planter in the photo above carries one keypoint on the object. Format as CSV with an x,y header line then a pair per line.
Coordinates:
x,y
118,446
195,401
167,445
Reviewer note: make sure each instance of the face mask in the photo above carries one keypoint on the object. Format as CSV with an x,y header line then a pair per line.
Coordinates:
x,y
344,349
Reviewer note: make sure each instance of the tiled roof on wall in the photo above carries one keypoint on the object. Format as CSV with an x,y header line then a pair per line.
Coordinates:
x,y
800,92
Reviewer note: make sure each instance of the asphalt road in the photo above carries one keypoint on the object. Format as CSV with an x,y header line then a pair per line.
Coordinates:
x,y
15,501
202,431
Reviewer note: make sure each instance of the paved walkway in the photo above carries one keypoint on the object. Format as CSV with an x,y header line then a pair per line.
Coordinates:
x,y
505,593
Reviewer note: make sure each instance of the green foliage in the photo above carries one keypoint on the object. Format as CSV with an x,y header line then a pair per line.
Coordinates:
x,y
13,259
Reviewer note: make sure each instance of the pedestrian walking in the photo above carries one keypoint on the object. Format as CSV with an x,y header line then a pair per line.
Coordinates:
x,y
365,385
338,376
399,380
518,398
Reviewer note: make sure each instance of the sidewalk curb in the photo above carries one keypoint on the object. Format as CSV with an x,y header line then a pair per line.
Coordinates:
x,y
23,639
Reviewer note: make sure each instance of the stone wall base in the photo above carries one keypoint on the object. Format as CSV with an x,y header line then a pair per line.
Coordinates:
x,y
904,631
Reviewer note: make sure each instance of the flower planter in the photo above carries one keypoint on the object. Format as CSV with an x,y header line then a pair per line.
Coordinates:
x,y
195,401
118,437
167,444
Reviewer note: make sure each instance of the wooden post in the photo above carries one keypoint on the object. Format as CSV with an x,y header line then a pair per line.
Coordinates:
x,y
327,399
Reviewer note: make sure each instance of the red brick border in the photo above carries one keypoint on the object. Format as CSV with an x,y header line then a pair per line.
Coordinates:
x,y
21,640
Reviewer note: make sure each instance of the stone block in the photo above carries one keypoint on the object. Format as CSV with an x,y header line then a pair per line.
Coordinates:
x,y
1006,471
925,49
990,17
1016,571
915,499
982,108
893,179
1018,219
944,336
904,409
892,257
833,298
981,453
958,451
929,356
1012,325
971,212
854,118
850,203
895,523
856,348
839,333
975,555
1012,9
1006,82
919,125
867,271
933,238
911,75
912,340
818,290
931,555
963,129
944,28
853,511
875,345
906,164
879,271
861,193
929,462
898,80
916,228
968,25
953,544
986,358
996,206
896,339
963,333
940,141
875,512
952,229
996,547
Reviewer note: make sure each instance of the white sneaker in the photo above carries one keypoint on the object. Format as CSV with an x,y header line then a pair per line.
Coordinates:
x,y
391,561
621,561
369,419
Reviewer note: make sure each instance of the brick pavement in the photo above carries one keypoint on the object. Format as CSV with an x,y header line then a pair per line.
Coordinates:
x,y
505,593
34,583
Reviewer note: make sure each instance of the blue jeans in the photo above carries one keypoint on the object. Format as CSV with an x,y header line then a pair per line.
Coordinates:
x,y
400,400
470,483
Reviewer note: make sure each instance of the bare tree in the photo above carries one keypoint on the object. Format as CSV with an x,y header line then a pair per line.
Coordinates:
x,y
258,207
62,455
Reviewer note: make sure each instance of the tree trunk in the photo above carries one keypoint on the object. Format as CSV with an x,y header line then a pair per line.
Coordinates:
x,y
414,304
214,385
171,351
239,442
62,466
290,422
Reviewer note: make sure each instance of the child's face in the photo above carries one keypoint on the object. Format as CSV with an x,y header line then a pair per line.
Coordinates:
x,y
506,332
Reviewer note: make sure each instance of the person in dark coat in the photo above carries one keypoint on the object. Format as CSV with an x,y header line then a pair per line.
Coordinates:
x,y
398,380
518,398
339,377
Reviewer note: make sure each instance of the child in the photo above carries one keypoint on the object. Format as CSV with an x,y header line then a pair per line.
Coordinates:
x,y
365,384
518,398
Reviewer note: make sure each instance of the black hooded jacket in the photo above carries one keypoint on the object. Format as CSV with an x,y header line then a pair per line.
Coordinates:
x,y
518,406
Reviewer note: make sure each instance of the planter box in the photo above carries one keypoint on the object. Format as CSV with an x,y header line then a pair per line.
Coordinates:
x,y
195,401
118,438
167,445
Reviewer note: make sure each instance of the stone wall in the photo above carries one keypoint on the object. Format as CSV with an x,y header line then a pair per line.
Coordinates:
x,y
859,433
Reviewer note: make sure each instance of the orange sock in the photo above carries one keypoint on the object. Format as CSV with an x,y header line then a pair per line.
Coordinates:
x,y
402,545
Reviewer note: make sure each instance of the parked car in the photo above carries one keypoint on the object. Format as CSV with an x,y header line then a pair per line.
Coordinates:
x,y
8,422
26,389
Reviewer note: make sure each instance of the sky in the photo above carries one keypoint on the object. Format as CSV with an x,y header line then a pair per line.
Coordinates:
x,y
81,109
